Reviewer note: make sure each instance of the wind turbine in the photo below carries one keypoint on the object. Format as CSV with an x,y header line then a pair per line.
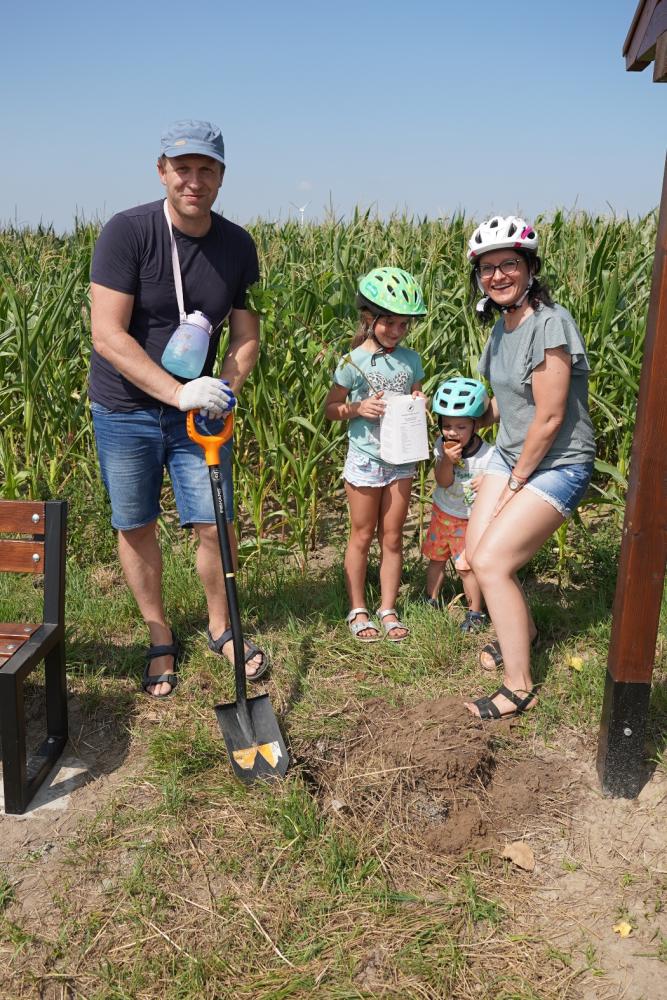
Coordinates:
x,y
300,210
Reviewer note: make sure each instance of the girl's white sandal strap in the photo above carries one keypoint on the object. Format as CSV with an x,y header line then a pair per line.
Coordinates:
x,y
390,626
357,627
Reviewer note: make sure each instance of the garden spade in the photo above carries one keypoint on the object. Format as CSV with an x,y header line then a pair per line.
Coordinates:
x,y
254,742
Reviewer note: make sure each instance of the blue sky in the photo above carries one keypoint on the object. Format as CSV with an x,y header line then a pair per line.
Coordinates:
x,y
431,107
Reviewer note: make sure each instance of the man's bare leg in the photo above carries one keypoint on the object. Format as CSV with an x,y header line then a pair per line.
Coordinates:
x,y
141,560
209,567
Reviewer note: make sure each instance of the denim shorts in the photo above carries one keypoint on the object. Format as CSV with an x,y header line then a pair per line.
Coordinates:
x,y
563,487
134,449
362,470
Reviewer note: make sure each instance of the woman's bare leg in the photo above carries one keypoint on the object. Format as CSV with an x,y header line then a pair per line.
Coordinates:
x,y
508,542
480,519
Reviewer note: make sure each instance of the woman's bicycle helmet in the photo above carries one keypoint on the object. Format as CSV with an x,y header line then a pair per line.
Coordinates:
x,y
498,233
460,397
390,290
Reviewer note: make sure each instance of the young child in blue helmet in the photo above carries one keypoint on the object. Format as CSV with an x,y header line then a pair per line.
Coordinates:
x,y
461,459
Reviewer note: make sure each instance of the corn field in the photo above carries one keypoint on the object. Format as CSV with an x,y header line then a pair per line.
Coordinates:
x,y
288,457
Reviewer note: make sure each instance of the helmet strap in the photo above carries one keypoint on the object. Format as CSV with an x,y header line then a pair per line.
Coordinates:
x,y
481,305
520,301
381,348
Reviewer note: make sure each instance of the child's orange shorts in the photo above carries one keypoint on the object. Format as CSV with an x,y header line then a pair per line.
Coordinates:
x,y
445,537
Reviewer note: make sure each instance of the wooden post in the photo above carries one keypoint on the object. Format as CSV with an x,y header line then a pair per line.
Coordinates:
x,y
641,568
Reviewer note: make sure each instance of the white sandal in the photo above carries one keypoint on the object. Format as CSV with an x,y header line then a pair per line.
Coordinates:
x,y
357,627
388,627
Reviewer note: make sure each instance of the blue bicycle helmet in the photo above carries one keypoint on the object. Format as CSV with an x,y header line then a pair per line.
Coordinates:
x,y
460,397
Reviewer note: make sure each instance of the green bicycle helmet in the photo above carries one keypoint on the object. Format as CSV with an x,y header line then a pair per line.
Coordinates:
x,y
460,397
390,290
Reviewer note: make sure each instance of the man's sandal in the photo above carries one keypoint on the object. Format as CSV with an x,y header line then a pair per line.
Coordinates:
x,y
492,649
147,681
251,650
489,711
357,627
388,627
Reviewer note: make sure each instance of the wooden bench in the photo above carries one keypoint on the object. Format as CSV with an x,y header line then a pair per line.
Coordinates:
x,y
23,645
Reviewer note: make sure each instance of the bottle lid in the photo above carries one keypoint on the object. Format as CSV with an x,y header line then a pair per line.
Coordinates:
x,y
198,318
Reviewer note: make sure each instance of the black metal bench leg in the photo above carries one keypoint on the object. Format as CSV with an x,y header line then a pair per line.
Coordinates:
x,y
14,765
56,694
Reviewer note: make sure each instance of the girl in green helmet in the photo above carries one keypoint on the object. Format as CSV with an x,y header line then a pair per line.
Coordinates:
x,y
378,493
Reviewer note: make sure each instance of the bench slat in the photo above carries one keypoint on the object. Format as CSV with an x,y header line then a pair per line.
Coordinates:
x,y
16,630
17,556
16,517
9,646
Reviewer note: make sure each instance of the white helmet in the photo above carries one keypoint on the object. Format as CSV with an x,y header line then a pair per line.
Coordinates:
x,y
497,233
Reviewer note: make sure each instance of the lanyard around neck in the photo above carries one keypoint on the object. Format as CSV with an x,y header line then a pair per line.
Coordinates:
x,y
175,266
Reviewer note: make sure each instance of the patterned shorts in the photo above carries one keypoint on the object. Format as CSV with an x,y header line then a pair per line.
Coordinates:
x,y
445,537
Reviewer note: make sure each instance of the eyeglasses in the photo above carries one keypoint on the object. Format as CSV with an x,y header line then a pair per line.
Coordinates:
x,y
510,266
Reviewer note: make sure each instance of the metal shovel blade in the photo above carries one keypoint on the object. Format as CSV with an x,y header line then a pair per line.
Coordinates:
x,y
261,754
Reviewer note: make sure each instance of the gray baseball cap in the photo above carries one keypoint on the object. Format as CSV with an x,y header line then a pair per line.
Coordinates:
x,y
188,137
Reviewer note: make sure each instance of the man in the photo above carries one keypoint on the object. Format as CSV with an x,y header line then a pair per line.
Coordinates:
x,y
139,409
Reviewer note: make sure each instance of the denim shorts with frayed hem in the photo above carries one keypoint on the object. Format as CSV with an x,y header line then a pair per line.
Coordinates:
x,y
134,449
564,486
362,470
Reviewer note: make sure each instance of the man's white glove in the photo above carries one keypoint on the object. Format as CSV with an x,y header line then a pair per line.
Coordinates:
x,y
210,395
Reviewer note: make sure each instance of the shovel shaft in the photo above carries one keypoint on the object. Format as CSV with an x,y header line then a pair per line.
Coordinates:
x,y
254,742
232,596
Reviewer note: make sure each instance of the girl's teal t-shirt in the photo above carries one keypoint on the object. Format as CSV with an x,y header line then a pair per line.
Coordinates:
x,y
394,374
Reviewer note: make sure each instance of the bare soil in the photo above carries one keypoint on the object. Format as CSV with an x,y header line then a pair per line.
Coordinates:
x,y
434,770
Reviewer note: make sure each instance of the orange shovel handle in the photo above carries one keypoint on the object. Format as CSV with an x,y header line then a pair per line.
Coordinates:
x,y
211,443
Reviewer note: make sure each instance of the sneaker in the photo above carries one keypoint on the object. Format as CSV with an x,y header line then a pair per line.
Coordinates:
x,y
474,621
431,601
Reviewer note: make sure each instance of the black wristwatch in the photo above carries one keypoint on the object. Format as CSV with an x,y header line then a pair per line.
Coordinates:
x,y
515,484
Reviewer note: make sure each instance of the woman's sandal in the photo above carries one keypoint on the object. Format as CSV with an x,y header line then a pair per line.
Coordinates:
x,y
147,681
488,710
388,627
357,627
492,649
251,650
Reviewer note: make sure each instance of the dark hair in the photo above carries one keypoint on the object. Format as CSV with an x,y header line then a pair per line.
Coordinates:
x,y
538,295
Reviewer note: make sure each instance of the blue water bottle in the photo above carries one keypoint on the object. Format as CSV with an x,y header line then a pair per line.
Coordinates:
x,y
186,351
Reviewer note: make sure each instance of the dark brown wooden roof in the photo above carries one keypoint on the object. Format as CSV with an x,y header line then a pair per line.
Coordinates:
x,y
647,39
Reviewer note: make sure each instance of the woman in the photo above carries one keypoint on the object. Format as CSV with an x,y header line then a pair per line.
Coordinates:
x,y
536,362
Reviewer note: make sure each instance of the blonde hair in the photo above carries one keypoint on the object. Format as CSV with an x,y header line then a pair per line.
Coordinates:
x,y
365,328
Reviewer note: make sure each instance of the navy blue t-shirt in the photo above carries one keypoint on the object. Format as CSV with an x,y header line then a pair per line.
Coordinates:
x,y
133,255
